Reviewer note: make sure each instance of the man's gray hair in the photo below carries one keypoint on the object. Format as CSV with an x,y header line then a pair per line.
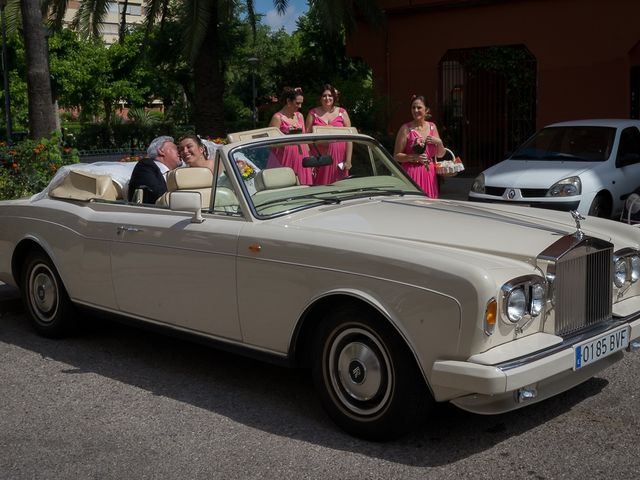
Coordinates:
x,y
156,144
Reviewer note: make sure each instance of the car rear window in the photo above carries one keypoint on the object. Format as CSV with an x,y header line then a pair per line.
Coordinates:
x,y
570,143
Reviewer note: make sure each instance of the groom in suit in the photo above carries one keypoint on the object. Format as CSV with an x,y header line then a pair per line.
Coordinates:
x,y
149,173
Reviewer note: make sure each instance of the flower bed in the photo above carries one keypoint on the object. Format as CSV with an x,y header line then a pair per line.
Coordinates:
x,y
27,167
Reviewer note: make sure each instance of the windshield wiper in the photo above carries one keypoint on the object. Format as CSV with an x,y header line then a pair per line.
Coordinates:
x,y
377,190
373,191
322,200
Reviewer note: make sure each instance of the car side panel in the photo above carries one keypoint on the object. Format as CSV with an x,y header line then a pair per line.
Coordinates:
x,y
77,244
277,293
169,270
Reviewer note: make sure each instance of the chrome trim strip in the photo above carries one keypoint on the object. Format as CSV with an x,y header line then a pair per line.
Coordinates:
x,y
565,245
196,334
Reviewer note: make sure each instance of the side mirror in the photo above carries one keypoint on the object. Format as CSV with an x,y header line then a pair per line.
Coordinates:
x,y
187,202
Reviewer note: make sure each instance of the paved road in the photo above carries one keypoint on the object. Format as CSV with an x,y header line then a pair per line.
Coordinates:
x,y
115,402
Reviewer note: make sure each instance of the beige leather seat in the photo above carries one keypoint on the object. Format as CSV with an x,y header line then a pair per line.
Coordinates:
x,y
190,179
272,180
276,178
199,179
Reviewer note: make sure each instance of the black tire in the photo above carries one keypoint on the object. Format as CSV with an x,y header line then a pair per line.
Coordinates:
x,y
601,207
45,298
366,376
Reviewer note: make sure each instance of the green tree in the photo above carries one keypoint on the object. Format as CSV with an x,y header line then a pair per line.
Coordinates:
x,y
205,27
78,67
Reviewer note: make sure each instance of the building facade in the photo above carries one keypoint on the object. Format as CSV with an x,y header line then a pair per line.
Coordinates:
x,y
497,70
109,29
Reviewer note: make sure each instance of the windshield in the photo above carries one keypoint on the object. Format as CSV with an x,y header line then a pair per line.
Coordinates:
x,y
571,143
282,177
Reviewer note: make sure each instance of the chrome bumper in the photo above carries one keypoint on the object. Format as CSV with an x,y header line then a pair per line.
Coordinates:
x,y
485,388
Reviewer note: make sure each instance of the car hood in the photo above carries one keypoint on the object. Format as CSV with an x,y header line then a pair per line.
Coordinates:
x,y
505,231
533,173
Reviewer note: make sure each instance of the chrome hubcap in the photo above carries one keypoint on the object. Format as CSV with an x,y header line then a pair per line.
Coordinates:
x,y
43,293
360,371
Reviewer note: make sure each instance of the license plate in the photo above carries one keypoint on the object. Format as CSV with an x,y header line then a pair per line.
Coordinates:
x,y
600,347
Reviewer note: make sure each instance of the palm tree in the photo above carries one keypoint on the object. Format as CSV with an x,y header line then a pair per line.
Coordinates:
x,y
202,39
42,113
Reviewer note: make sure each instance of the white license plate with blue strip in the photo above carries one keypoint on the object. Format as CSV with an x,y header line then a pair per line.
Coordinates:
x,y
593,350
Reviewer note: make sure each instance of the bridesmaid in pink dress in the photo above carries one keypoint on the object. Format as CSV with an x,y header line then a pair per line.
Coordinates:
x,y
417,146
290,120
329,114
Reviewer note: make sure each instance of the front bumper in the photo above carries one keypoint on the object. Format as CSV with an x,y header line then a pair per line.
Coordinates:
x,y
490,389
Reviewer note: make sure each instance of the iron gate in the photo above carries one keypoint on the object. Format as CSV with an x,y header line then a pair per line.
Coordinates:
x,y
487,100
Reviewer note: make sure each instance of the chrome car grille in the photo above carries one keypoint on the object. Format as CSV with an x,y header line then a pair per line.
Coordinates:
x,y
581,283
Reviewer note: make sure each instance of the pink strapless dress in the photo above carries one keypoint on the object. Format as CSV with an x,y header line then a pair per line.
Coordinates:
x,y
427,180
292,155
337,151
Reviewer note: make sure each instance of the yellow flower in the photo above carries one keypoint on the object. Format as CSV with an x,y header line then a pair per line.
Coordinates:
x,y
245,169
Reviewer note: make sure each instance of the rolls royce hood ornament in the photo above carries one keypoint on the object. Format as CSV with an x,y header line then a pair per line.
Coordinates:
x,y
577,217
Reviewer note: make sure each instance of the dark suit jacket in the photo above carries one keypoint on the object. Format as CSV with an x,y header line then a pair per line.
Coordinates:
x,y
147,174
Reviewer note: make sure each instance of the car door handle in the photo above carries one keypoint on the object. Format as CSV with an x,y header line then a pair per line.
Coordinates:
x,y
124,228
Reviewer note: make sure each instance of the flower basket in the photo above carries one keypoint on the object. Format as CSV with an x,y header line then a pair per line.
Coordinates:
x,y
449,168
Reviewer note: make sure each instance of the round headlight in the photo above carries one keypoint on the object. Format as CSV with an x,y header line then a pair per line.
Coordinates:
x,y
516,305
635,268
620,272
537,299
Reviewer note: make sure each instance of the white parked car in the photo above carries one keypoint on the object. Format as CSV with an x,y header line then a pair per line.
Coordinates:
x,y
588,165
391,299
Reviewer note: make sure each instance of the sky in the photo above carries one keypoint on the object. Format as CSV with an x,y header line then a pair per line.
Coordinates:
x,y
286,21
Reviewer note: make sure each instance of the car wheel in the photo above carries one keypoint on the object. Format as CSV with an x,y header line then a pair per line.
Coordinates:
x,y
600,207
367,378
45,297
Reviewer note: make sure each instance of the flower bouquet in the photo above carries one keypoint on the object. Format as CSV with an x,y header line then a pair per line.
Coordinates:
x,y
246,170
419,147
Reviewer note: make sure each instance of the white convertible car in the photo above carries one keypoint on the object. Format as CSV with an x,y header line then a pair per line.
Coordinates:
x,y
393,300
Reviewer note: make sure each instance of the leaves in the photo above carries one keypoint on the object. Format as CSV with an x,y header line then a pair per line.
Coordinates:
x,y
28,166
